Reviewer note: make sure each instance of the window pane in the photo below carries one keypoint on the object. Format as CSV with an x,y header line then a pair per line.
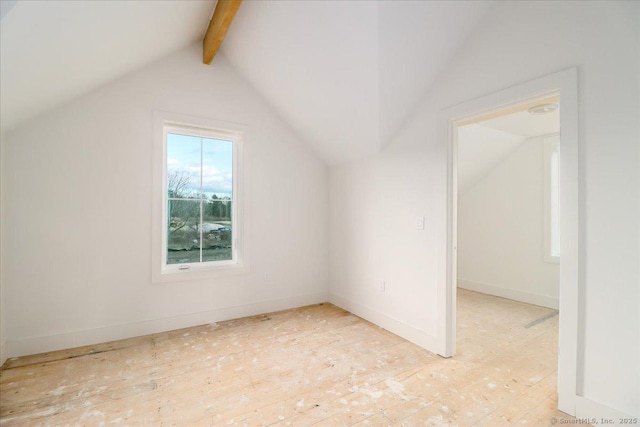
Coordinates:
x,y
217,234
217,168
199,199
183,166
183,232
217,188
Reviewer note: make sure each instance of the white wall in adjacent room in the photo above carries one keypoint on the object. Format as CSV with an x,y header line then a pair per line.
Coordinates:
x,y
77,213
501,231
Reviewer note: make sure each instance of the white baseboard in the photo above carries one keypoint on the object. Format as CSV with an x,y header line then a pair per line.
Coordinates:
x,y
522,296
598,414
22,347
389,323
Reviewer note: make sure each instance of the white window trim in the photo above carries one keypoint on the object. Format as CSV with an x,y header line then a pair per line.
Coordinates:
x,y
163,122
551,143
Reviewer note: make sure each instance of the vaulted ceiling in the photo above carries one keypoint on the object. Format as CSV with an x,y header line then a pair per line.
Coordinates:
x,y
343,74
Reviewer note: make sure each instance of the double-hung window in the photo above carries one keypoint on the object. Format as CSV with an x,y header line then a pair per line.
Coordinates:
x,y
200,221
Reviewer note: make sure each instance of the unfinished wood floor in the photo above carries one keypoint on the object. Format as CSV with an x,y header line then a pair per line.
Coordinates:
x,y
316,365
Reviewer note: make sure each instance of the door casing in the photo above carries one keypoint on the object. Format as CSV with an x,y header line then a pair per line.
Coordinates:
x,y
565,85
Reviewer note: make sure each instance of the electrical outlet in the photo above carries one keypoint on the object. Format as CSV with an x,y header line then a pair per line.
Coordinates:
x,y
382,286
266,277
420,223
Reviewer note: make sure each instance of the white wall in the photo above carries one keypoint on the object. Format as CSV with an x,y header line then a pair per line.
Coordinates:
x,y
374,208
77,213
374,202
501,231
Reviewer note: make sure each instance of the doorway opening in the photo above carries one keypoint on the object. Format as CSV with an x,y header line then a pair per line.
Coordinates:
x,y
508,250
517,98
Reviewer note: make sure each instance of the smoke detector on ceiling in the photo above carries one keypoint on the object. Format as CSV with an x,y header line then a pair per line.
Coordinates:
x,y
543,109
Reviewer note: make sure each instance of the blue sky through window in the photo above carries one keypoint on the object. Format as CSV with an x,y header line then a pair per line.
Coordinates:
x,y
184,155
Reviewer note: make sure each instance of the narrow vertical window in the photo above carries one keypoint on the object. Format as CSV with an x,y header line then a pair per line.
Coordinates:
x,y
555,201
551,184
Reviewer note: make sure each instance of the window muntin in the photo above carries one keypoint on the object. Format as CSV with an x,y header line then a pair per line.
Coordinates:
x,y
200,198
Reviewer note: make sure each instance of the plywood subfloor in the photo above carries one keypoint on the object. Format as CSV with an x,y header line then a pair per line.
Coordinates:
x,y
316,365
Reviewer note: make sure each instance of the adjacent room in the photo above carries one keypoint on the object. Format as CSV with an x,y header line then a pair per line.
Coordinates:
x,y
508,241
255,213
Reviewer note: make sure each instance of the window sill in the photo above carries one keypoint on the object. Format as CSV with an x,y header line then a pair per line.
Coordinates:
x,y
199,273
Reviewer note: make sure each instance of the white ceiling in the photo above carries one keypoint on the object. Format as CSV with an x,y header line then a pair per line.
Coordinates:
x,y
482,146
346,74
343,74
316,63
54,51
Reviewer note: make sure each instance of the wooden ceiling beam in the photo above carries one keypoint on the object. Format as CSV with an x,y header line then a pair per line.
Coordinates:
x,y
221,20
